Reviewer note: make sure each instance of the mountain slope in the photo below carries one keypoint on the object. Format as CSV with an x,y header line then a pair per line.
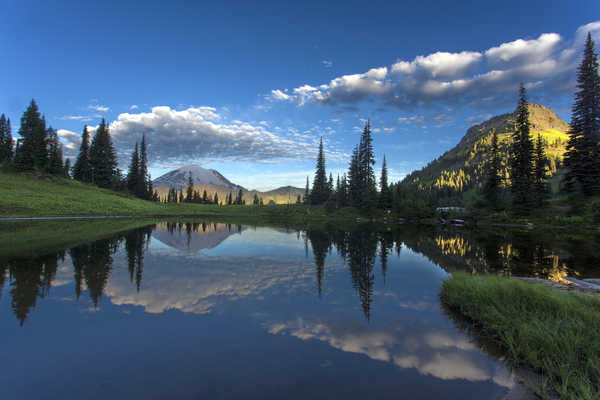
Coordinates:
x,y
178,178
464,167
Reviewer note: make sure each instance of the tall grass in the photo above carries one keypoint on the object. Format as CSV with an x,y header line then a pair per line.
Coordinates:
x,y
554,332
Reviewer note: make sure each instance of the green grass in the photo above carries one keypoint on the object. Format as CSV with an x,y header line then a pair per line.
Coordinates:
x,y
31,195
551,331
23,238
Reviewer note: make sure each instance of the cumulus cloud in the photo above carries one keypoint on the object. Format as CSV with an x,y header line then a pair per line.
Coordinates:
x,y
201,133
545,64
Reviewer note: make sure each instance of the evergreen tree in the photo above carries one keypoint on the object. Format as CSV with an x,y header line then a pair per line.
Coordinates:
x,y
330,189
320,188
6,140
385,196
103,161
205,197
255,201
366,159
190,189
55,161
143,184
67,168
492,184
238,199
539,173
81,169
354,180
230,199
31,152
307,193
521,159
216,198
583,153
134,171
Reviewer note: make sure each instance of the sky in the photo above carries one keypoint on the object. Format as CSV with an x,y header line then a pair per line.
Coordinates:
x,y
249,88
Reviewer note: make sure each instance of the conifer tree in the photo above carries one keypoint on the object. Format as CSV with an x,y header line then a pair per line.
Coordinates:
x,y
539,173
134,171
54,157
190,189
81,169
67,168
583,153
255,200
320,191
307,193
492,184
205,197
385,196
521,159
354,179
230,199
366,159
103,161
239,200
143,189
330,189
216,198
32,148
6,140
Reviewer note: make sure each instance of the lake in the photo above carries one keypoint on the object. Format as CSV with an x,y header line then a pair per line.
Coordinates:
x,y
214,310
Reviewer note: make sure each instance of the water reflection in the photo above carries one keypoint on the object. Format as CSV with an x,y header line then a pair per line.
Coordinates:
x,y
264,308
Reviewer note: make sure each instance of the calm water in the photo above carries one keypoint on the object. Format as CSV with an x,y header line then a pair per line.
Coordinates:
x,y
220,311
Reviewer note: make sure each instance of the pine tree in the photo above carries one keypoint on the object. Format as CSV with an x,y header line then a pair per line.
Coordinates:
x,y
307,193
32,151
492,184
81,169
366,159
205,197
6,140
143,189
134,171
230,199
190,189
354,180
320,191
583,153
385,196
521,159
54,157
67,168
539,173
330,189
103,161
238,199
216,198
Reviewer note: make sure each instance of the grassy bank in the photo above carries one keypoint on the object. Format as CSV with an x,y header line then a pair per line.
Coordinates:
x,y
29,195
551,331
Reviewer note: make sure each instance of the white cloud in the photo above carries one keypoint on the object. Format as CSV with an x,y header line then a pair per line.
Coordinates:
x,y
327,63
98,107
76,118
546,65
199,133
133,107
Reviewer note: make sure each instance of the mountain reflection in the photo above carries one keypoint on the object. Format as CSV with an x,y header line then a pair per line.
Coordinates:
x,y
361,249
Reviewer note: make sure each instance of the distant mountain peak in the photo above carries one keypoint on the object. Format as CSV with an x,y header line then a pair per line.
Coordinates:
x,y
178,178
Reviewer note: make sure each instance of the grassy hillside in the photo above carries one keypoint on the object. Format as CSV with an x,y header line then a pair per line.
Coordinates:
x,y
30,195
463,168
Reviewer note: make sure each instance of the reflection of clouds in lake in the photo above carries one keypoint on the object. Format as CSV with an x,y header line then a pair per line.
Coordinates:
x,y
444,355
197,283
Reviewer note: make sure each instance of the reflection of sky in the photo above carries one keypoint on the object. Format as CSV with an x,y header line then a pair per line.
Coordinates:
x,y
246,316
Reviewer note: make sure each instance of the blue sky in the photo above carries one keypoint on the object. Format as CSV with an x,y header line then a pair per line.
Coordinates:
x,y
249,88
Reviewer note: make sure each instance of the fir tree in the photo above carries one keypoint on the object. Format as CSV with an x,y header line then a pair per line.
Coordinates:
x,y
81,169
354,179
307,193
216,198
521,159
205,197
385,196
238,199
320,191
190,189
583,154
6,140
366,159
54,157
103,161
134,171
143,190
539,173
32,151
67,168
330,189
492,184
